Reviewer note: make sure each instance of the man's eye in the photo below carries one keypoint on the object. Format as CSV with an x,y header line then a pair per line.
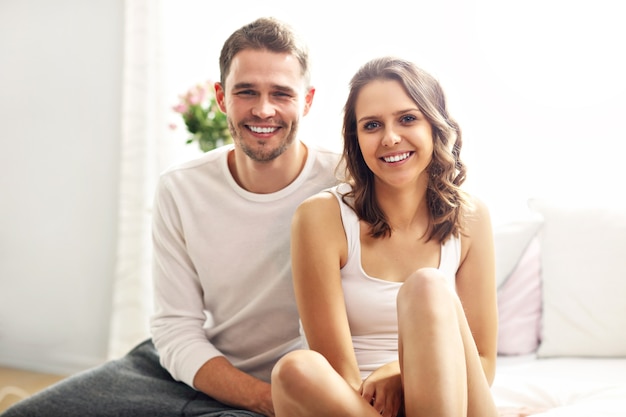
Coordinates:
x,y
245,93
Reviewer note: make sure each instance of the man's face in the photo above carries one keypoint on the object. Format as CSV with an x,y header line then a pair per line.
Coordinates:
x,y
264,98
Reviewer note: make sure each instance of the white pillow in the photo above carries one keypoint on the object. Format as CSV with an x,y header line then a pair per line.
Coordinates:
x,y
510,241
584,279
519,305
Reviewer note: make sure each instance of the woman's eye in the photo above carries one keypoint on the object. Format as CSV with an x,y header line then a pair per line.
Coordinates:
x,y
370,125
407,118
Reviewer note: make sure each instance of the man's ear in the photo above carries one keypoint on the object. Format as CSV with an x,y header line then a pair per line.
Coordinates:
x,y
219,96
308,100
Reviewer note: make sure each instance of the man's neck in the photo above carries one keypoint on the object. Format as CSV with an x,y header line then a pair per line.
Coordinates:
x,y
267,177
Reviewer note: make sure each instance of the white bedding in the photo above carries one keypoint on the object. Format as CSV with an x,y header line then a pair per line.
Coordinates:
x,y
564,387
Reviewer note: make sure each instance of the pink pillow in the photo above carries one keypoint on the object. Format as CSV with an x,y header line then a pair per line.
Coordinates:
x,y
519,305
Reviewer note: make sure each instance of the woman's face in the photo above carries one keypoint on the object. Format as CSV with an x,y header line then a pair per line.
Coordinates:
x,y
395,137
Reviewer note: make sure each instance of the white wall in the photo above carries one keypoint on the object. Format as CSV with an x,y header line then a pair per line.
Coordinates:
x,y
60,92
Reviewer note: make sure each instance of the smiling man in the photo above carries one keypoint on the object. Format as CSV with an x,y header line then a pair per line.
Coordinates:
x,y
224,303
265,94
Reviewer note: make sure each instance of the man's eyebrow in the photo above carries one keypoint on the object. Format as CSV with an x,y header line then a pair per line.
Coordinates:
x,y
244,85
240,86
284,88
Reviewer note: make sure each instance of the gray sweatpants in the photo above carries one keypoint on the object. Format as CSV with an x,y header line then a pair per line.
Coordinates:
x,y
135,385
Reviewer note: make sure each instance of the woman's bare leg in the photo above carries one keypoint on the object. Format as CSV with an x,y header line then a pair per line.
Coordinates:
x,y
480,399
441,370
304,384
431,353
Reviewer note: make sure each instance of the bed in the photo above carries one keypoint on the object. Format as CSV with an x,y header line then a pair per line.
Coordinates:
x,y
561,276
562,387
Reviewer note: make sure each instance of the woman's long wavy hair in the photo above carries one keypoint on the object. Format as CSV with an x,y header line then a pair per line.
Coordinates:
x,y
446,201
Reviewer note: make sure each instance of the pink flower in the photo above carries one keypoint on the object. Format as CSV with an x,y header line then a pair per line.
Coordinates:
x,y
196,95
181,108
201,117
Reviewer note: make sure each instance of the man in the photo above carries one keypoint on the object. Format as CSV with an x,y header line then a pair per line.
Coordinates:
x,y
224,303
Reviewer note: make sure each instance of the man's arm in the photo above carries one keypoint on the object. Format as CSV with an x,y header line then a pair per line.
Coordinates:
x,y
234,387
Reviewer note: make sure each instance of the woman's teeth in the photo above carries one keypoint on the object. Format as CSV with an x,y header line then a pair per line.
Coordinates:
x,y
397,158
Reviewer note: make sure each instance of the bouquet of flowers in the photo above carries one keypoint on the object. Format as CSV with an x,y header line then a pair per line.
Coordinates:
x,y
203,119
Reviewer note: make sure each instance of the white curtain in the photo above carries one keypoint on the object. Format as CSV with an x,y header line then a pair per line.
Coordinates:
x,y
138,171
148,147
131,300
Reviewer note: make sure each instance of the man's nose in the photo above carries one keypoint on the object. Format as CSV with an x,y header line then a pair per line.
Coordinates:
x,y
264,108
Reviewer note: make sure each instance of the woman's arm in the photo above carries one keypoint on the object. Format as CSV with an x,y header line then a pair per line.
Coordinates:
x,y
475,283
318,251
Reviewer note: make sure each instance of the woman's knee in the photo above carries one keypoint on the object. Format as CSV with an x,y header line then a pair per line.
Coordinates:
x,y
423,282
296,370
425,290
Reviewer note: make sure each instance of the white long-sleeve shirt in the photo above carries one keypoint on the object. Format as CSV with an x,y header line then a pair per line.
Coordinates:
x,y
222,268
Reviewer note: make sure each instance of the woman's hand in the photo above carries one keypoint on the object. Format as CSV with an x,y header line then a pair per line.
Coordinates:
x,y
383,389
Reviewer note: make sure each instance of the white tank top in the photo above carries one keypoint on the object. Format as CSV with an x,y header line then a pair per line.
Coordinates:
x,y
371,302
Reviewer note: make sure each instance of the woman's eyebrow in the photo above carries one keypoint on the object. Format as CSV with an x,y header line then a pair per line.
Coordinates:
x,y
375,116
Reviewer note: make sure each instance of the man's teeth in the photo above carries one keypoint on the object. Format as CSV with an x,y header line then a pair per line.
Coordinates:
x,y
256,129
397,158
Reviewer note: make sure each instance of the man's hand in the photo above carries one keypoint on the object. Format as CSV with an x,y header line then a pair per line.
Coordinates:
x,y
220,380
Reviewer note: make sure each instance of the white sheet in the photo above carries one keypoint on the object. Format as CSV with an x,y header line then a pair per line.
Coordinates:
x,y
566,387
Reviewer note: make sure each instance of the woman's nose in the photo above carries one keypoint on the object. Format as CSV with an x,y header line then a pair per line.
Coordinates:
x,y
391,138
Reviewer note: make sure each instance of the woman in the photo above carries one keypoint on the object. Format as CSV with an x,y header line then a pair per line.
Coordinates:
x,y
393,270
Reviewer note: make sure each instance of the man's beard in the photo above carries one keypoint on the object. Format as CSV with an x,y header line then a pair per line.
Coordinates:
x,y
262,154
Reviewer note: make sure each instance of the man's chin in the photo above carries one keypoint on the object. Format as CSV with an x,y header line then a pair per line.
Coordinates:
x,y
263,153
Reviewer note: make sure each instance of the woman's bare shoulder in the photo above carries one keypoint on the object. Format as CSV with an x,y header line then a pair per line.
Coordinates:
x,y
317,227
319,205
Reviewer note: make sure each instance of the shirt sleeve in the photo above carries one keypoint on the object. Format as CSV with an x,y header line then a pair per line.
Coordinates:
x,y
179,316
